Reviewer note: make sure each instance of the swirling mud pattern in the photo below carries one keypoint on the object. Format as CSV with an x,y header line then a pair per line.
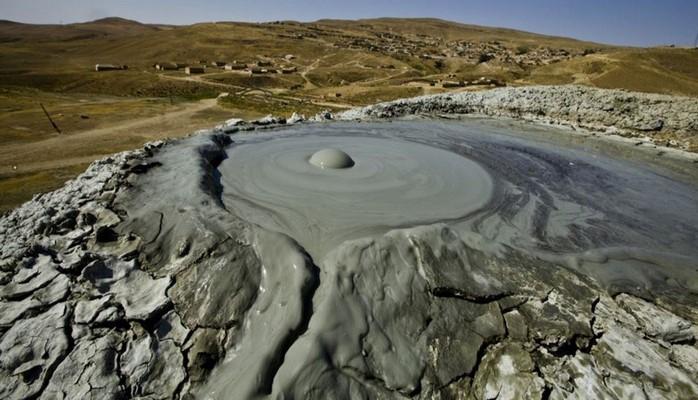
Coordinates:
x,y
618,221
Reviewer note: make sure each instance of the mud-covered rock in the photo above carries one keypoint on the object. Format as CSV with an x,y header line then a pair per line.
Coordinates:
x,y
90,371
656,322
153,368
204,350
31,349
217,292
507,372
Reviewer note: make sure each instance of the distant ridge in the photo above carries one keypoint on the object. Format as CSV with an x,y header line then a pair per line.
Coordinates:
x,y
112,20
11,31
120,26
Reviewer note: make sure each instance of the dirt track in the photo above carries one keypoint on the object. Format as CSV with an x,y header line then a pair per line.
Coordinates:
x,y
26,168
63,150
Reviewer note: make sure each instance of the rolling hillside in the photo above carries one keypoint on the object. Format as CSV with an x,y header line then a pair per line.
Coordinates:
x,y
330,64
59,58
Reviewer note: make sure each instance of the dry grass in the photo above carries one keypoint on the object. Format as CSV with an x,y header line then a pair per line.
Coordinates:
x,y
17,189
655,70
266,81
260,105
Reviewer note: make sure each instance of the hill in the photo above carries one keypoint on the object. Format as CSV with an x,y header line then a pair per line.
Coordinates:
x,y
453,31
108,27
327,64
340,53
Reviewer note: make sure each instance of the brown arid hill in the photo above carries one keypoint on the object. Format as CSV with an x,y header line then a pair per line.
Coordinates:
x,y
336,64
106,27
450,31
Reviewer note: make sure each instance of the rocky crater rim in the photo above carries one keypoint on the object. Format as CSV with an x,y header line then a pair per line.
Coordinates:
x,y
650,119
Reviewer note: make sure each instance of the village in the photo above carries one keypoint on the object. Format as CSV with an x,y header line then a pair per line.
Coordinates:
x,y
427,47
268,66
200,67
434,51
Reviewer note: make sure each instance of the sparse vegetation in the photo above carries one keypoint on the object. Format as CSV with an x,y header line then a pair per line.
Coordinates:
x,y
365,62
259,105
484,57
521,50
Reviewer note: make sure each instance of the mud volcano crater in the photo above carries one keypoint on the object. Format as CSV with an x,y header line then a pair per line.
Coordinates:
x,y
587,212
411,259
387,183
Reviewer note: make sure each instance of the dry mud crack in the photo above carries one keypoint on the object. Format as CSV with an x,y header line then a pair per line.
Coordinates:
x,y
153,275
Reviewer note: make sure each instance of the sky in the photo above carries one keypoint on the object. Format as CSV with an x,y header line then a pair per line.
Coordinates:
x,y
621,22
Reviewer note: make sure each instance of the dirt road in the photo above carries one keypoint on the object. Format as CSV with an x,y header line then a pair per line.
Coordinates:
x,y
63,150
28,168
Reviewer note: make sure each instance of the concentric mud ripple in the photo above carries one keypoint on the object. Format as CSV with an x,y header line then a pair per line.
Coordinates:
x,y
392,183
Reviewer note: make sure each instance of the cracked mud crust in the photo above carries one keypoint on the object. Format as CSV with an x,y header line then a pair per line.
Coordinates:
x,y
664,120
114,288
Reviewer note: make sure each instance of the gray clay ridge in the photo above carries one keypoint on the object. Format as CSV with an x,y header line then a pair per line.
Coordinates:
x,y
470,259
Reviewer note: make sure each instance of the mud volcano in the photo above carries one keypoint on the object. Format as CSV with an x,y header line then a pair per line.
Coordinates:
x,y
575,208
411,259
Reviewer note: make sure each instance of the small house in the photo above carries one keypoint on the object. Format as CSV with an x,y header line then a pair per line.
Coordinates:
x,y
109,67
235,67
263,63
288,70
257,70
219,64
452,84
168,66
197,69
289,57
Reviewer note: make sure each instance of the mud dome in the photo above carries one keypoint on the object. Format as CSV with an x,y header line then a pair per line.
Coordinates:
x,y
331,158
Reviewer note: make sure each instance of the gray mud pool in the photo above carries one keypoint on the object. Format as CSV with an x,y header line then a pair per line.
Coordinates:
x,y
625,223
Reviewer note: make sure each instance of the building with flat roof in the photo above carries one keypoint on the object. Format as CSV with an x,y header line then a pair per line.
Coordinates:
x,y
167,66
235,67
195,69
109,67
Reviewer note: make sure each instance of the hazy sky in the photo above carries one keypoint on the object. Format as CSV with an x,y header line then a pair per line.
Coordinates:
x,y
629,22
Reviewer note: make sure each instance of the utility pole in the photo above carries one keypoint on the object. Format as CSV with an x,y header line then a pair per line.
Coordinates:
x,y
50,120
